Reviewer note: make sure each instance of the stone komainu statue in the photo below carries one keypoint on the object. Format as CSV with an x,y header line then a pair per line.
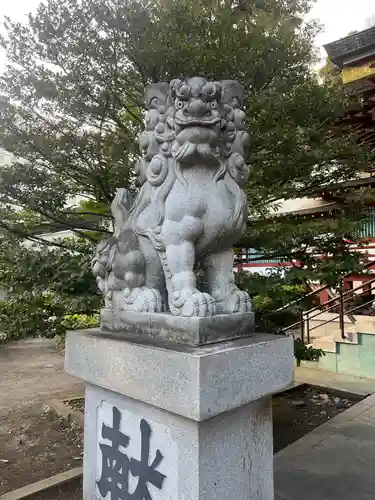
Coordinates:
x,y
190,208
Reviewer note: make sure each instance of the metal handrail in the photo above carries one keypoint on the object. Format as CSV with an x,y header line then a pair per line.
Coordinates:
x,y
337,301
297,301
360,306
307,313
338,316
348,292
321,289
312,317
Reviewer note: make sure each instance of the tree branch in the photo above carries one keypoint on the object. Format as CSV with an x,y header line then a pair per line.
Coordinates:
x,y
35,239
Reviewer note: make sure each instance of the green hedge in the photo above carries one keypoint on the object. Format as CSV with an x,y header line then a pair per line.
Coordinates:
x,y
46,315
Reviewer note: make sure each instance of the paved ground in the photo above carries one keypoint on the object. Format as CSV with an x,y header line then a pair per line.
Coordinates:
x,y
32,371
346,383
333,462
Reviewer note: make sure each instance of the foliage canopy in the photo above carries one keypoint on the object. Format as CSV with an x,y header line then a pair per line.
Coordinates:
x,y
71,109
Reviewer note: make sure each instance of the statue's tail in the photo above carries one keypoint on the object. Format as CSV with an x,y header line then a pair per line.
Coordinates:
x,y
121,207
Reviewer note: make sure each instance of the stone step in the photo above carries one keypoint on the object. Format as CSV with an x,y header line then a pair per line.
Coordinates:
x,y
326,344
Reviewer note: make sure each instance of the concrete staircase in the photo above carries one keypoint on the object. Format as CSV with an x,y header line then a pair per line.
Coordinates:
x,y
353,356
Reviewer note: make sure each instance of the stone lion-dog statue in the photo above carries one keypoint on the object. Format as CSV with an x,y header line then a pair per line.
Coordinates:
x,y
190,209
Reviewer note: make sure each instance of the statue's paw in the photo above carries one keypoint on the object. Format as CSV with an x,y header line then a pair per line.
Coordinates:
x,y
192,303
143,299
236,301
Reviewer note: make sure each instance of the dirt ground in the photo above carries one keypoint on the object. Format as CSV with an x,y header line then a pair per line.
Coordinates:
x,y
34,443
78,405
33,371
298,411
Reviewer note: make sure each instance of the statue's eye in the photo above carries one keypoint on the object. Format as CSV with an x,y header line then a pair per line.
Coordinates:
x,y
213,104
179,104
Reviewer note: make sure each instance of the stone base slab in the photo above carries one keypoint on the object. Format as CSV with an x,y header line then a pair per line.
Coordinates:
x,y
164,326
195,382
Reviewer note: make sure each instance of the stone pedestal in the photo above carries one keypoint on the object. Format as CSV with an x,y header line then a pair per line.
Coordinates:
x,y
193,331
173,422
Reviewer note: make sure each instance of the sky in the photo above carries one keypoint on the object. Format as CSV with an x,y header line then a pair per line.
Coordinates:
x,y
339,17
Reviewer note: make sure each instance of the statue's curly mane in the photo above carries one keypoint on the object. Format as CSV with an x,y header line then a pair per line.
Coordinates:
x,y
165,155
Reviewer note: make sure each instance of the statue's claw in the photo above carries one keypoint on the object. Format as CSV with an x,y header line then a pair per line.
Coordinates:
x,y
143,299
235,301
192,303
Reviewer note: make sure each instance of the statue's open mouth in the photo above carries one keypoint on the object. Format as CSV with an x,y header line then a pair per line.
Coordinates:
x,y
179,124
193,122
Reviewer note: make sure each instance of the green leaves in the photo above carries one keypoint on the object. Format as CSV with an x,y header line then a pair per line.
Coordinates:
x,y
65,271
302,352
71,110
271,293
43,314
48,290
